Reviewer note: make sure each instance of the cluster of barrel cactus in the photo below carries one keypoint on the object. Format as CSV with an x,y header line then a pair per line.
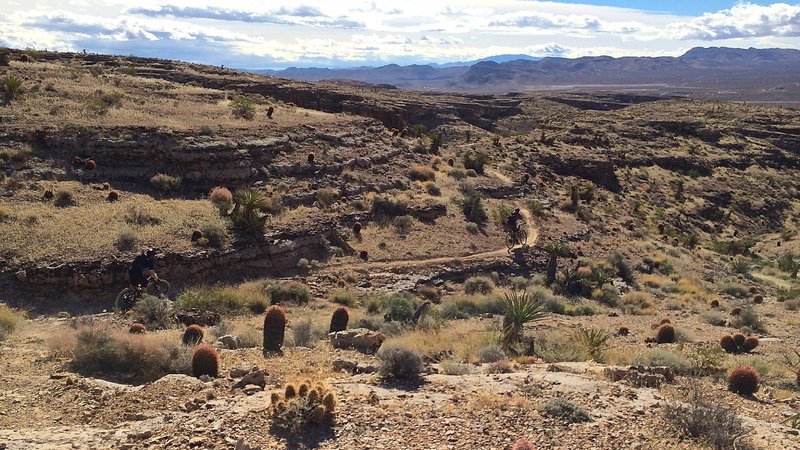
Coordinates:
x,y
302,406
737,343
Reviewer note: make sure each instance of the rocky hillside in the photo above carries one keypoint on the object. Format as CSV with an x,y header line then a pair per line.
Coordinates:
x,y
353,239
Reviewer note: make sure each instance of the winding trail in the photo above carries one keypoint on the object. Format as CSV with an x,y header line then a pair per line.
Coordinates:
x,y
533,237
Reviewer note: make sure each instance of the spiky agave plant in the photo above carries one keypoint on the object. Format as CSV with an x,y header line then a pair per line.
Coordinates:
x,y
247,211
741,266
594,340
11,85
519,308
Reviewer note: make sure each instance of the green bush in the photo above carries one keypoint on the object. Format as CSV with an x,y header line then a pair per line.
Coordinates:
x,y
214,233
399,308
243,108
565,410
662,357
11,86
403,224
478,285
519,308
280,293
345,297
500,215
399,363
476,161
464,307
166,183
472,205
154,312
248,212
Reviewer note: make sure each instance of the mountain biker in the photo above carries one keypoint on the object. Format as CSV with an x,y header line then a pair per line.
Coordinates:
x,y
143,268
512,222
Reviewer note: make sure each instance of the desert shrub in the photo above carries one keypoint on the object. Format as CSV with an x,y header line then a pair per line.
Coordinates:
x,y
126,240
274,328
565,410
500,366
136,215
478,285
519,308
137,328
429,293
733,247
222,198
714,318
665,334
743,380
421,173
388,207
476,161
748,319
64,198
300,408
700,417
154,312
458,173
10,318
637,302
473,227
451,367
607,294
399,308
339,320
287,292
560,347
214,233
165,183
102,102
344,297
432,189
403,224
472,205
399,363
327,196
735,290
303,333
463,307
205,361
146,357
11,87
490,354
662,357
243,108
192,335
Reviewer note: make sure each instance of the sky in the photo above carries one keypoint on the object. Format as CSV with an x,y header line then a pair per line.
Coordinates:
x,y
277,34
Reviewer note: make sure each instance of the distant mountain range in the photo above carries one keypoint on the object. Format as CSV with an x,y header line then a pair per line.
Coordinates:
x,y
766,75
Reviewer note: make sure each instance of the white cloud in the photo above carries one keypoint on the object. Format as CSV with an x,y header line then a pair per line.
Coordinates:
x,y
250,34
745,20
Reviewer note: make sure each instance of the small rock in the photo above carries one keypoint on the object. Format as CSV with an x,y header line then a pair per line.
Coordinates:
x,y
196,441
255,377
228,341
251,389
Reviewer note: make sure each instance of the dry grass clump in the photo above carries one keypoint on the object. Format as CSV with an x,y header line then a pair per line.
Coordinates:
x,y
463,339
10,318
638,302
98,349
166,183
250,296
421,173
222,198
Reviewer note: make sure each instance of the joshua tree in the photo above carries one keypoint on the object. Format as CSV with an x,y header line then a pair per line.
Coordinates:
x,y
553,250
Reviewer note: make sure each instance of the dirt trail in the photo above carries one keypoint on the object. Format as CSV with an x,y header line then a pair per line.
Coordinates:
x,y
533,236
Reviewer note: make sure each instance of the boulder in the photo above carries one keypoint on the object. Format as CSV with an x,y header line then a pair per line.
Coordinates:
x,y
255,377
361,339
228,342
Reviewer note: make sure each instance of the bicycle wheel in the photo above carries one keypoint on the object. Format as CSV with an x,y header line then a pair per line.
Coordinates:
x,y
510,241
125,299
158,288
522,237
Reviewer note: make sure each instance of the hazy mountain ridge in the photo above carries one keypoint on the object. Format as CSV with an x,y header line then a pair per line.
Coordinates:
x,y
761,75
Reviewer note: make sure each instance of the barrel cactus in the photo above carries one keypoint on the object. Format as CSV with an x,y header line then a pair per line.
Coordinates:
x,y
274,328
339,320
743,380
205,361
193,335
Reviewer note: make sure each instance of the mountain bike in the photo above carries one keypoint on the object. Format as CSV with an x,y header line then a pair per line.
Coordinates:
x,y
131,294
516,237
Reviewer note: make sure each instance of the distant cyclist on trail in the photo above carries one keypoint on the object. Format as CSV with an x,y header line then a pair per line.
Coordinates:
x,y
513,221
143,268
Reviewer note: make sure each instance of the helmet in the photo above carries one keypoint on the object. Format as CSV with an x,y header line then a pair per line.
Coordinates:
x,y
151,252
516,210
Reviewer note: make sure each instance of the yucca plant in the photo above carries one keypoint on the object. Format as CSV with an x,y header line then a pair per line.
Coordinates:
x,y
248,209
519,308
600,278
742,266
594,340
571,281
11,85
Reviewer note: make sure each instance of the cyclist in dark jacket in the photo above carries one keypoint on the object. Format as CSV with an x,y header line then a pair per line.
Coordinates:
x,y
513,221
143,268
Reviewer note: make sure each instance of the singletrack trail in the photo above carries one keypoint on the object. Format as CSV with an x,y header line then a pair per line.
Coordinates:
x,y
533,236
